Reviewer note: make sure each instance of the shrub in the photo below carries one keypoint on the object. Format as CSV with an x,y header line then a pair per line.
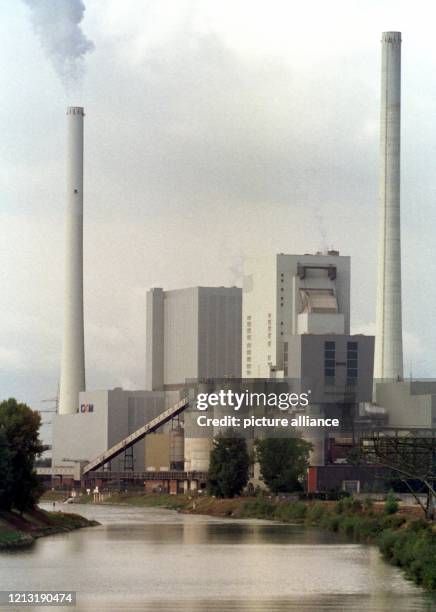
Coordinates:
x,y
260,507
391,504
392,521
331,521
316,512
348,505
298,510
368,504
386,542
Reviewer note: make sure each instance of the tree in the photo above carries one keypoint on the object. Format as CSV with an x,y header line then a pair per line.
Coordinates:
x,y
19,446
283,462
229,464
5,472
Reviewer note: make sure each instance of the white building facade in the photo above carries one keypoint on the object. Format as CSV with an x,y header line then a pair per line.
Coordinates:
x,y
287,295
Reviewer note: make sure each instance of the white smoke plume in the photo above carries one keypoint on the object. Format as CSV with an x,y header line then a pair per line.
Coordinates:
x,y
57,23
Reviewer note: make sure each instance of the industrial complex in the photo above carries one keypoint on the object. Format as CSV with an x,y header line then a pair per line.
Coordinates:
x,y
290,321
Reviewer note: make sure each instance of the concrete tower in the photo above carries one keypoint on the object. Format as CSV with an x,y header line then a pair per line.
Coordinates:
x,y
73,349
388,361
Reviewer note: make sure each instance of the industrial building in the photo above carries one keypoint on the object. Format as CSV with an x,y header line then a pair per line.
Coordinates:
x,y
192,333
101,419
296,325
289,295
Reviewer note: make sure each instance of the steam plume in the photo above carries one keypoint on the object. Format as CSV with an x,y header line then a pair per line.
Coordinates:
x,y
57,23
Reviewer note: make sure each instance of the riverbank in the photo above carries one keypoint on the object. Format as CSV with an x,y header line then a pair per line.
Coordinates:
x,y
404,539
21,530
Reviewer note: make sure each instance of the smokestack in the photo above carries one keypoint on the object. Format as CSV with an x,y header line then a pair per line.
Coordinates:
x,y
388,362
73,349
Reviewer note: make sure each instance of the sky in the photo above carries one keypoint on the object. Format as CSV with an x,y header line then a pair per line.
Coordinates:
x,y
214,130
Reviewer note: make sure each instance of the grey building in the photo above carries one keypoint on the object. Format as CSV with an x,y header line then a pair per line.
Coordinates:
x,y
103,418
192,333
334,366
409,403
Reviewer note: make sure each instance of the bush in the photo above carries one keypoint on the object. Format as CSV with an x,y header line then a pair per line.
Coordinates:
x,y
316,512
260,507
413,549
299,510
392,521
368,504
391,504
348,505
386,543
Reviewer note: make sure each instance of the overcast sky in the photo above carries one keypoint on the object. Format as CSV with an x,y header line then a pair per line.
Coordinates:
x,y
214,129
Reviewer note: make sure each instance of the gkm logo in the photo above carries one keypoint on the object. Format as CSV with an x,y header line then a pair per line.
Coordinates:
x,y
86,407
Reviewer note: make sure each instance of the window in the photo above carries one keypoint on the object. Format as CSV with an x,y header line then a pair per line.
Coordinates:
x,y
352,363
329,362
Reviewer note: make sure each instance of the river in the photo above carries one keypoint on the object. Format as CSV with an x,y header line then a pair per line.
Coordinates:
x,y
155,559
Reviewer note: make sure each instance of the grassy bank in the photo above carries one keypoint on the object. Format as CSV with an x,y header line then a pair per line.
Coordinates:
x,y
21,530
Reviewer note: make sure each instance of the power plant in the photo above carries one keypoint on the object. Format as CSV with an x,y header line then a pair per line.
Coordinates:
x,y
291,319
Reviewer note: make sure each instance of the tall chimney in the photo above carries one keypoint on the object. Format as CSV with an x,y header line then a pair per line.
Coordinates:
x,y
73,349
388,361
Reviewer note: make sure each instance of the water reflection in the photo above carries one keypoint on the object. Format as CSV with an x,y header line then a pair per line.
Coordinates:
x,y
148,559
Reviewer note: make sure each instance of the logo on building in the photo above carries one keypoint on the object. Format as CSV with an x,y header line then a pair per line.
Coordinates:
x,y
86,407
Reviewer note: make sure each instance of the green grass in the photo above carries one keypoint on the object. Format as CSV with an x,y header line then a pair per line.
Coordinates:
x,y
16,529
9,536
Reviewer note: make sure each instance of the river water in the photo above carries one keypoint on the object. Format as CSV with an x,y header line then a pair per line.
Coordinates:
x,y
155,559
